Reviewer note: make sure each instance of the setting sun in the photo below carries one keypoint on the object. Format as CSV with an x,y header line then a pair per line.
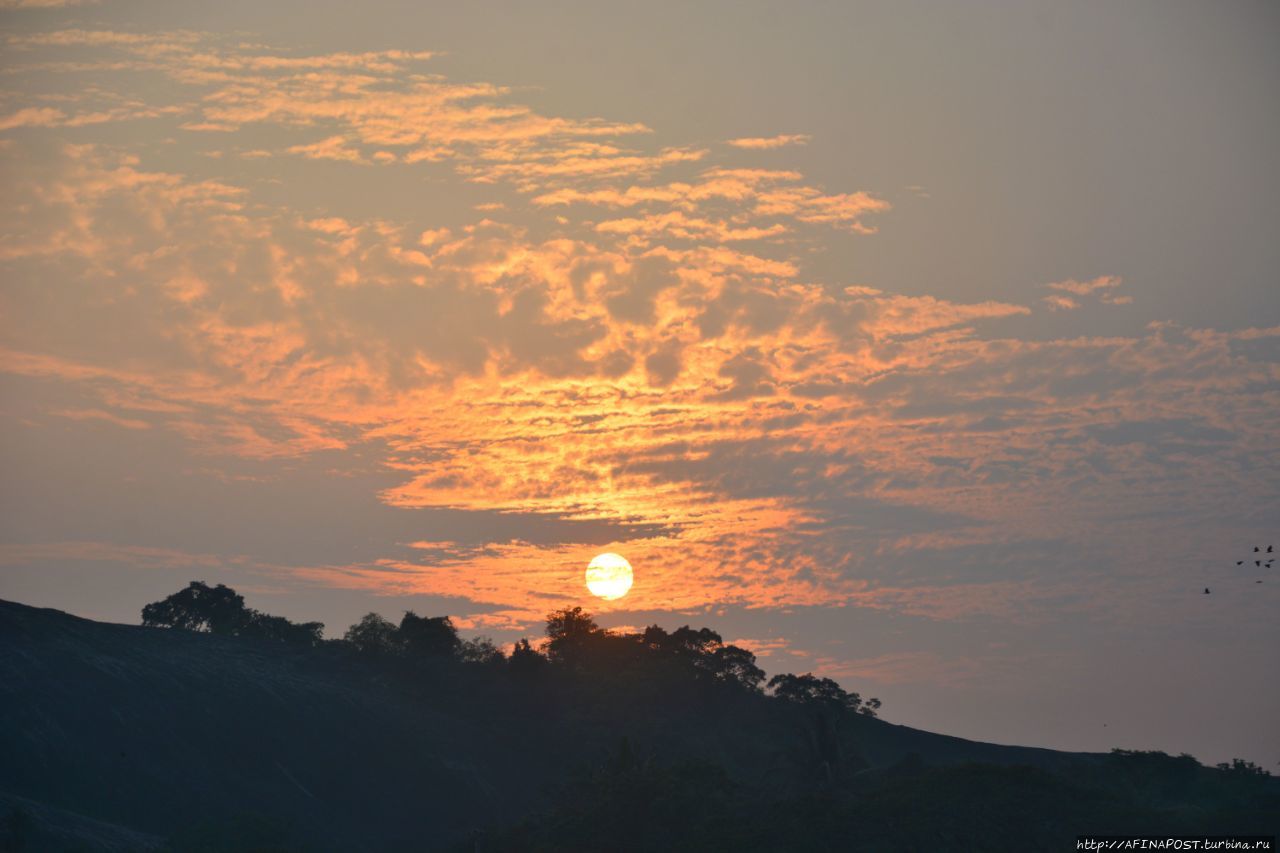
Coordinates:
x,y
609,576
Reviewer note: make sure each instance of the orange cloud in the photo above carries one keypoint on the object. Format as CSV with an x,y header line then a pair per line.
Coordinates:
x,y
758,143
99,414
33,117
1080,288
381,107
671,366
750,197
1057,302
1103,287
44,4
332,148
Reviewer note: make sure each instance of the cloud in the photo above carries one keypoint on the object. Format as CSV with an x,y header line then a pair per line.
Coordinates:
x,y
44,4
375,106
1103,287
99,414
758,143
1057,302
332,148
676,224
1080,288
761,648
659,366
380,107
735,204
33,117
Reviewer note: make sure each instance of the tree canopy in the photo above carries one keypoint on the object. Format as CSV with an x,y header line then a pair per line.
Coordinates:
x,y
221,610
575,642
569,632
811,690
374,635
198,607
428,635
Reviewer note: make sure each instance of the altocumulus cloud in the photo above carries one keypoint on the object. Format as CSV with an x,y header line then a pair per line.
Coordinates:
x,y
632,338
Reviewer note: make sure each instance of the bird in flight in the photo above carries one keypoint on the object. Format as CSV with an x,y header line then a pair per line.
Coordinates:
x,y
1206,590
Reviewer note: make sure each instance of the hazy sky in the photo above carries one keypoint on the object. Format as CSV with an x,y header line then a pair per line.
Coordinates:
x,y
932,347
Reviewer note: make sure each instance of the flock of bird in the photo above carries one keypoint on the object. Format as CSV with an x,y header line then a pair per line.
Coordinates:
x,y
1260,562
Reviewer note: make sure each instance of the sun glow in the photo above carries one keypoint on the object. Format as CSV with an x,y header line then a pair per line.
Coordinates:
x,y
609,576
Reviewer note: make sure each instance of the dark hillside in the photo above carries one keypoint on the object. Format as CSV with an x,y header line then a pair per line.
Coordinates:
x,y
157,730
226,742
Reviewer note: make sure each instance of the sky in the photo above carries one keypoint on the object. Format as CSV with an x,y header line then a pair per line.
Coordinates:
x,y
931,347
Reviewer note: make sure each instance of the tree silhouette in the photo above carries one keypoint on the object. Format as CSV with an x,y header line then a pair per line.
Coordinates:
x,y
221,610
374,635
695,643
280,630
218,610
525,658
569,632
1240,767
825,702
809,689
704,652
734,665
428,635
481,651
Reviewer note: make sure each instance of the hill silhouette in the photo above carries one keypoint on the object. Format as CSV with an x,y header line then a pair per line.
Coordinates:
x,y
262,737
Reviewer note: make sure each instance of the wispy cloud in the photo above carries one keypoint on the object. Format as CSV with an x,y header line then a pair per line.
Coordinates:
x,y
633,334
33,117
761,143
101,415
1103,288
44,4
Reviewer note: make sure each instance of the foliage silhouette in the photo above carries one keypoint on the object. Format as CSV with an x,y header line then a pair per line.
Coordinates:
x,y
221,610
1239,767
281,630
198,607
428,635
481,651
570,633
525,659
809,689
373,635
823,703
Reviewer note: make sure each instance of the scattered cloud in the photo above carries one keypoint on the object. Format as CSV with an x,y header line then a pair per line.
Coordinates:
x,y
759,143
633,338
1103,288
33,117
99,414
44,4
332,148
747,204
1058,302
762,648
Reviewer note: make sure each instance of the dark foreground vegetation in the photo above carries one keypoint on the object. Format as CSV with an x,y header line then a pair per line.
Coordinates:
x,y
233,730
